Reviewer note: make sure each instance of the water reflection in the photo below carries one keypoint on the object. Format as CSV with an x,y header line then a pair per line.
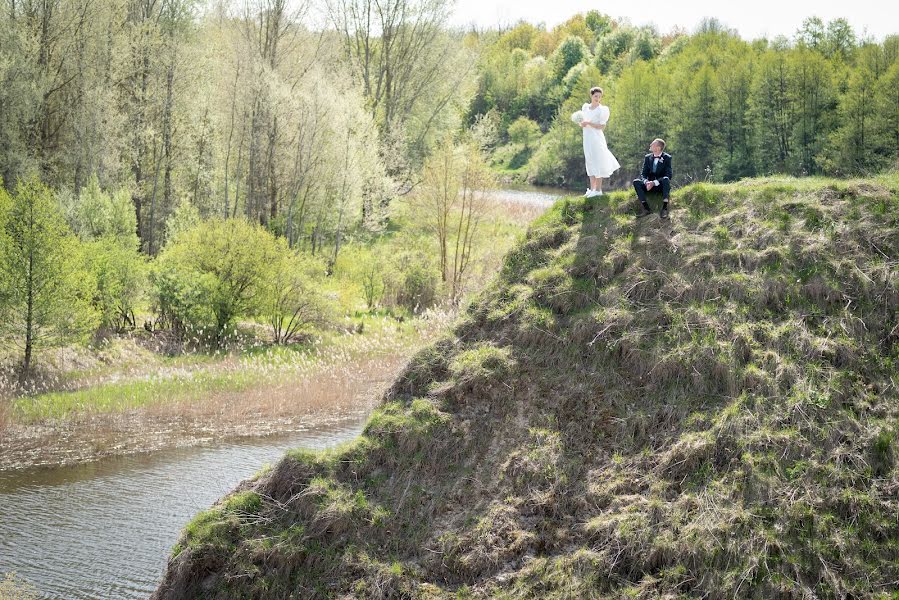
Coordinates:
x,y
105,529
528,195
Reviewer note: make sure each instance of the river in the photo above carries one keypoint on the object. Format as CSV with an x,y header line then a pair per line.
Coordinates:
x,y
105,529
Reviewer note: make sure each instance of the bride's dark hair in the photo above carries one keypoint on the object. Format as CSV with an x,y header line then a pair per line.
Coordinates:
x,y
593,90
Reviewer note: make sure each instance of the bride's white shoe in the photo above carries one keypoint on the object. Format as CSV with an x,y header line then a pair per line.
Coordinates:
x,y
593,193
587,193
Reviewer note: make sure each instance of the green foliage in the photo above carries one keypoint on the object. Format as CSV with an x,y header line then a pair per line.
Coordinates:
x,y
570,52
107,224
121,273
293,301
728,108
99,214
45,287
185,218
524,131
214,273
416,284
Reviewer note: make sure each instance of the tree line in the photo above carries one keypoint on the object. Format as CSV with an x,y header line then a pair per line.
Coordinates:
x,y
292,115
190,164
823,102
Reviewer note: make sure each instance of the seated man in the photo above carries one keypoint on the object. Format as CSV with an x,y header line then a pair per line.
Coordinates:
x,y
656,175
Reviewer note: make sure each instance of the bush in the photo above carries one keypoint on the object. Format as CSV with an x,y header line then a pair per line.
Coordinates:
x,y
294,303
121,275
107,224
524,131
210,275
411,280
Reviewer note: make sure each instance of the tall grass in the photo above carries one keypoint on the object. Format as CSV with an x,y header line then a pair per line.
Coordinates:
x,y
256,367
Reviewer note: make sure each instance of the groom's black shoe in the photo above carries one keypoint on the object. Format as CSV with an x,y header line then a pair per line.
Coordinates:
x,y
643,212
663,214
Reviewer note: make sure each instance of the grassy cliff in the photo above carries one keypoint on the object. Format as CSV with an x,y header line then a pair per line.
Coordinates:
x,y
701,408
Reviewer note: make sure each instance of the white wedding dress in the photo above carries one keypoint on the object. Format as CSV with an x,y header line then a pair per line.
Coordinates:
x,y
599,160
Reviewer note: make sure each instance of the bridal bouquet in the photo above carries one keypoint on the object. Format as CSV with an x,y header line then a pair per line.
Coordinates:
x,y
577,117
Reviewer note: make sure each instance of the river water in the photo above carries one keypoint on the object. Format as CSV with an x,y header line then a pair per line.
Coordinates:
x,y
105,529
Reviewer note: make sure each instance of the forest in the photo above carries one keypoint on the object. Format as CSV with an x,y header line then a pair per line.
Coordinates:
x,y
181,166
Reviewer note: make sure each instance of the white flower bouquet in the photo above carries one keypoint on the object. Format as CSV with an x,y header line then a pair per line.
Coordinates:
x,y
577,117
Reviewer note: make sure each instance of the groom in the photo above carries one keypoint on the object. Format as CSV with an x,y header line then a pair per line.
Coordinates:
x,y
656,175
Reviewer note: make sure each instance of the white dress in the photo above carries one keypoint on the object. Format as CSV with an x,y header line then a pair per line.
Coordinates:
x,y
599,160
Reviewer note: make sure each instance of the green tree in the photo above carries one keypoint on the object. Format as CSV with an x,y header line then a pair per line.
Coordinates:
x,y
46,289
812,92
812,34
735,79
851,146
772,112
293,303
213,274
598,23
840,39
524,131
570,52
639,110
887,101
107,224
697,129
613,45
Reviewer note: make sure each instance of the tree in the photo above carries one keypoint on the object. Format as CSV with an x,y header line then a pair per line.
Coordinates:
x,y
106,224
571,51
293,301
850,146
404,59
454,203
812,33
772,111
211,275
813,99
887,100
45,288
524,131
840,39
638,108
696,131
598,23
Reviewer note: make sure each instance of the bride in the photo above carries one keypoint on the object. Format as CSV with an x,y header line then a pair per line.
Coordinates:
x,y
599,160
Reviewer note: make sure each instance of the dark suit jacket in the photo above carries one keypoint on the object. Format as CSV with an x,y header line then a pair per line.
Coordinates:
x,y
663,170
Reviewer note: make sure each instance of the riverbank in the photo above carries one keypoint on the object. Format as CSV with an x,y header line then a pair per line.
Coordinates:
x,y
143,392
203,400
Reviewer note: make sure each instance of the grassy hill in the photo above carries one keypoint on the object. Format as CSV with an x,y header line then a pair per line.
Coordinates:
x,y
636,409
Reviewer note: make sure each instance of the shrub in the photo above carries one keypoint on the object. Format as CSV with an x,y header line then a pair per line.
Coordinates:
x,y
524,131
107,224
293,302
212,274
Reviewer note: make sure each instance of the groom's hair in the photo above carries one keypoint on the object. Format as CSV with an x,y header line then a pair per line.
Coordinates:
x,y
593,90
659,142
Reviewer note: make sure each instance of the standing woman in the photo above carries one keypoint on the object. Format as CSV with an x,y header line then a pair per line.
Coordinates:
x,y
599,160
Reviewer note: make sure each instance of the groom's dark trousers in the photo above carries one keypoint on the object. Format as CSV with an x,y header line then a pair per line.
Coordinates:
x,y
654,170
